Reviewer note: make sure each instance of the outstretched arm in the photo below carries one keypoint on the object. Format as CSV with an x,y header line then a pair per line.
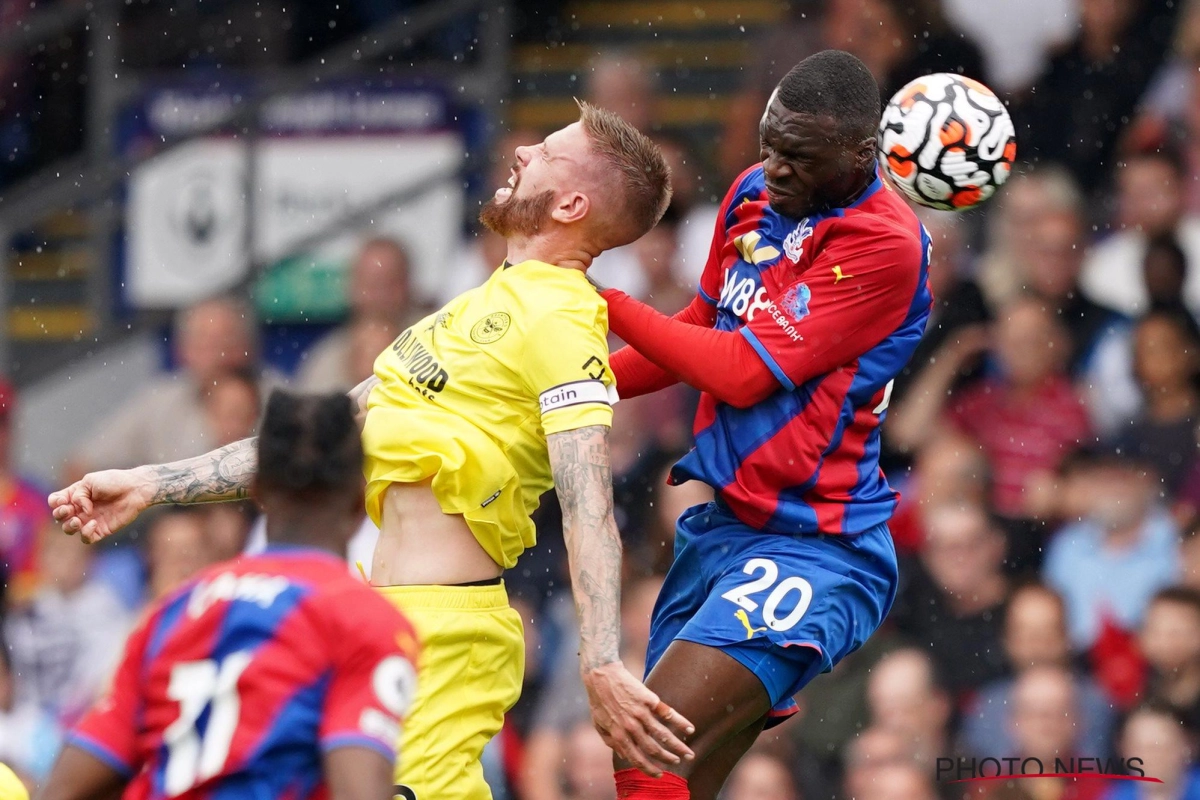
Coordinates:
x,y
637,375
628,715
102,503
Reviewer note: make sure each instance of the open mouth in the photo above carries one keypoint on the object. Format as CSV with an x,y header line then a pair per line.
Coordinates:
x,y
505,192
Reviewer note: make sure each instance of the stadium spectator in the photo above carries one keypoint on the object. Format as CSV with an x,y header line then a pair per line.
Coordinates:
x,y
1044,221
166,419
951,471
1150,204
897,782
1099,337
1045,725
871,749
1043,722
1027,420
1011,217
1016,37
626,84
229,526
657,254
231,406
696,213
1170,640
378,293
650,536
905,698
22,513
29,736
1109,564
1035,635
958,302
177,547
954,604
1079,105
66,640
1167,366
1166,747
1165,270
796,36
900,40
761,775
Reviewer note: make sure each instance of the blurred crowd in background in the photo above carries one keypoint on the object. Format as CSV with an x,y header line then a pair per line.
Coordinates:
x,y
1044,437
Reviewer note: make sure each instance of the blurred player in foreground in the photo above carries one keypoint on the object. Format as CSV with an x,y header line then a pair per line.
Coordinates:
x,y
472,414
271,676
813,299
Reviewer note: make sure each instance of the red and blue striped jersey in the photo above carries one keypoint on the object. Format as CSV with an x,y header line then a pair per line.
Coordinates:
x,y
834,304
237,683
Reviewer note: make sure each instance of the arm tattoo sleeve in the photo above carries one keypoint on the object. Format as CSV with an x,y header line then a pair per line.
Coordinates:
x,y
583,480
223,474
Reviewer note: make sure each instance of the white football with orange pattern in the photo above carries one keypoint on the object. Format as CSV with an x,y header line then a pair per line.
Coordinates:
x,y
946,142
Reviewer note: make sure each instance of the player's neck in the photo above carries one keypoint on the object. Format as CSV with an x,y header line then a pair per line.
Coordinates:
x,y
549,249
306,527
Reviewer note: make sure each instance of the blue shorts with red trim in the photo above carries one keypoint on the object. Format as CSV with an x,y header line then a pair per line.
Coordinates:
x,y
786,607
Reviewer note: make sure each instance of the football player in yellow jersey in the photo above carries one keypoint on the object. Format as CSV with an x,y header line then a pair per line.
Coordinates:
x,y
471,415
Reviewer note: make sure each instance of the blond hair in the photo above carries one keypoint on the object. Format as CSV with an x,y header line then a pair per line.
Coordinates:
x,y
645,178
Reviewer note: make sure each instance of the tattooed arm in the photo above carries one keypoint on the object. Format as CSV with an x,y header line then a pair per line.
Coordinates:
x,y
628,715
583,479
102,503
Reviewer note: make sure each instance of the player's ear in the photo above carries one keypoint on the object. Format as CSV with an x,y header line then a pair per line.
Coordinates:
x,y
865,152
571,207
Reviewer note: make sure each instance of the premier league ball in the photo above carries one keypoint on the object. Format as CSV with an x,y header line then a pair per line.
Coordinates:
x,y
946,142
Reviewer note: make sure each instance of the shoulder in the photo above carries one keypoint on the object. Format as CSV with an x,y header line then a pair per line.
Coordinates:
x,y
884,231
747,186
547,291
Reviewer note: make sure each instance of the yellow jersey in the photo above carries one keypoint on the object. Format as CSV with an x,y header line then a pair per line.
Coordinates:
x,y
468,395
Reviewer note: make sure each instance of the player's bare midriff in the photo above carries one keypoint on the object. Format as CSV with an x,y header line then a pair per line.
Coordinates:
x,y
421,545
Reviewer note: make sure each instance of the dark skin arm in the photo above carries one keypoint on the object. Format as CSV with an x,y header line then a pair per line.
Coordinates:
x,y
79,775
359,773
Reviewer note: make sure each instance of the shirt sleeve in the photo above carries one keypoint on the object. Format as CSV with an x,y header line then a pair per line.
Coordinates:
x,y
857,291
109,730
374,679
565,365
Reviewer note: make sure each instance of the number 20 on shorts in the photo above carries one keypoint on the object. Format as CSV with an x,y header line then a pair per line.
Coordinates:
x,y
740,595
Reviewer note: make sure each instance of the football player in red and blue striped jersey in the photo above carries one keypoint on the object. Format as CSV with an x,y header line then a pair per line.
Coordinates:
x,y
814,297
277,676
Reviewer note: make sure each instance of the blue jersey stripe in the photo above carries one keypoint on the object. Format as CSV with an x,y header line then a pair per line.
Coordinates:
x,y
164,626
248,626
737,432
767,358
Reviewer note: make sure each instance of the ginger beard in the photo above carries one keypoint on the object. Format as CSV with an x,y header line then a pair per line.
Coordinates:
x,y
517,216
